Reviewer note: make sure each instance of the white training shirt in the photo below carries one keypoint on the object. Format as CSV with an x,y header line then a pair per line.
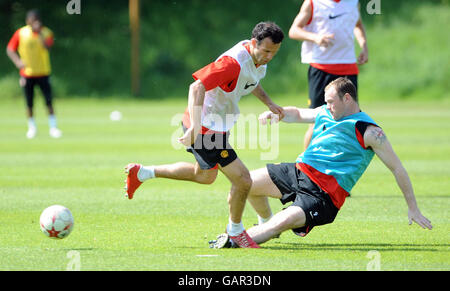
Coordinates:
x,y
331,17
220,108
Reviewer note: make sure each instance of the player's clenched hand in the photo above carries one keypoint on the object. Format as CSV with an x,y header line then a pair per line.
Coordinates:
x,y
324,40
22,81
277,110
363,57
189,137
417,217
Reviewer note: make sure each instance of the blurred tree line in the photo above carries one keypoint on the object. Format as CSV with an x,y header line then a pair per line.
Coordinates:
x,y
91,55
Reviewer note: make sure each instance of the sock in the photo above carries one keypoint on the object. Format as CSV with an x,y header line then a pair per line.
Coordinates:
x,y
31,122
146,173
52,121
263,220
234,229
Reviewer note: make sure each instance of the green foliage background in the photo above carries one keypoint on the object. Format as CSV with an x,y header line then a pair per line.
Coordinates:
x,y
408,46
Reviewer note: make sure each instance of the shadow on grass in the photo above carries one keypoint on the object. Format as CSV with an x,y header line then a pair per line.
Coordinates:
x,y
80,249
363,247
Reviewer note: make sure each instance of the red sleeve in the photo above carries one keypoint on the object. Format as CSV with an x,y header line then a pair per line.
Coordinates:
x,y
222,73
360,130
49,41
14,41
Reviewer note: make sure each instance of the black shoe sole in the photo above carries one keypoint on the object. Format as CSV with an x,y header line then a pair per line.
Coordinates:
x,y
222,241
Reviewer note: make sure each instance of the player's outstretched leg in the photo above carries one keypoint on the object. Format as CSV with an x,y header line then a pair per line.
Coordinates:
x,y
137,174
224,241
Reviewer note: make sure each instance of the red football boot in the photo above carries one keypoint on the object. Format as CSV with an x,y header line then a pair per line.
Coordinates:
x,y
132,181
243,240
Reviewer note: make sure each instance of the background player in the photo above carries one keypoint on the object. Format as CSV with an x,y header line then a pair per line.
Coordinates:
x,y
28,49
327,29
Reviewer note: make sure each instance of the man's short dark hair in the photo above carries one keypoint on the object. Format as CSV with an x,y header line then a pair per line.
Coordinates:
x,y
33,13
343,85
268,29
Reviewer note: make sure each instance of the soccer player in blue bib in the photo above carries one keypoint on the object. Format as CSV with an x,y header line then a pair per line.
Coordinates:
x,y
344,141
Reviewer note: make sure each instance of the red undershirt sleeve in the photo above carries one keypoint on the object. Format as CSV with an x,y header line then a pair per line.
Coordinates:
x,y
222,73
13,43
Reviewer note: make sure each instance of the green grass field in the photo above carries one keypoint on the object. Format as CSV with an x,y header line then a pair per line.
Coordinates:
x,y
168,223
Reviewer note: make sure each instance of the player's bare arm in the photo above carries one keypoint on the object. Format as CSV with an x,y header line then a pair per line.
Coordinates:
x,y
262,95
297,31
375,138
292,115
15,58
195,105
360,35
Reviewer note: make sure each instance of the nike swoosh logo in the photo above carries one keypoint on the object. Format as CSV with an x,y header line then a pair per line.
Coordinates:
x,y
249,85
335,16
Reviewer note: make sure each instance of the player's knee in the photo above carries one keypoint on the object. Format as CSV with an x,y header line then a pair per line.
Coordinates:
x,y
206,177
288,219
244,183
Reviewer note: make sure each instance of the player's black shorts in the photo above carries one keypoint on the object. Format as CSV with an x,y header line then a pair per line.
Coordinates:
x,y
295,186
318,80
211,149
46,89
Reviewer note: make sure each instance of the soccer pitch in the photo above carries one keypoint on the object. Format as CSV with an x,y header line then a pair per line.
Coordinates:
x,y
168,224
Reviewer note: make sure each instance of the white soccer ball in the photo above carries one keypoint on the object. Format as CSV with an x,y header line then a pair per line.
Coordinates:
x,y
115,115
56,221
